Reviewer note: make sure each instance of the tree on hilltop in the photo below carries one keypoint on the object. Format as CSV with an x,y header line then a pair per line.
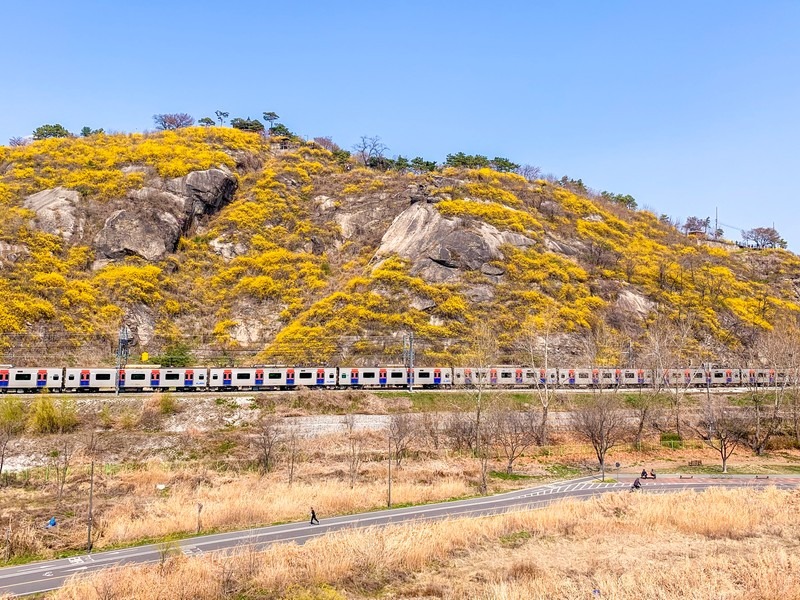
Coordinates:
x,y
764,237
247,124
466,161
50,131
87,131
173,121
369,149
206,122
498,163
270,117
221,116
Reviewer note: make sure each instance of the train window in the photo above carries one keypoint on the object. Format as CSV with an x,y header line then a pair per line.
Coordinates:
x,y
583,376
201,377
781,374
71,377
630,375
505,375
530,374
55,377
136,377
243,375
424,375
306,375
396,374
274,375
368,375
172,376
103,376
606,375
22,376
719,374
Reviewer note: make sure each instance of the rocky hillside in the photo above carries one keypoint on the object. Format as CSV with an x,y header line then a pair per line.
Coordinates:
x,y
211,243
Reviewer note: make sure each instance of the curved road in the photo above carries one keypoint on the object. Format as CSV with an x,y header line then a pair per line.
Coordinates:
x,y
48,575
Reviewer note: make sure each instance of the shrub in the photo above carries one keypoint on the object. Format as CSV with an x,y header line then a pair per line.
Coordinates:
x,y
47,416
671,439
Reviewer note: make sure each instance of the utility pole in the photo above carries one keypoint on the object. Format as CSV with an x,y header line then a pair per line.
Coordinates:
x,y
91,497
389,503
408,359
123,350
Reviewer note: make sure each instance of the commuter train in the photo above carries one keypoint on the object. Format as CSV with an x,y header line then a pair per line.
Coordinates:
x,y
151,378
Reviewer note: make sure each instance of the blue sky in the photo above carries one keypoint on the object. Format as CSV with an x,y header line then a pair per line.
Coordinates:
x,y
689,106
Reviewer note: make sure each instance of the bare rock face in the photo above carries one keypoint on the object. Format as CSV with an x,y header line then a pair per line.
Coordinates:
x,y
56,211
158,215
205,192
635,303
441,248
151,235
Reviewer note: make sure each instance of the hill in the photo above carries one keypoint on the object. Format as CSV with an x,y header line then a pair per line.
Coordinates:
x,y
216,245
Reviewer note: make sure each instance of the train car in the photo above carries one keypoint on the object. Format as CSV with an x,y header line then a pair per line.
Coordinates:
x,y
29,379
395,377
315,377
246,378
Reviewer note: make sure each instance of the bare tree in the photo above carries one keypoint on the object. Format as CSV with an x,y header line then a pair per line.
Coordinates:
x,y
268,436
291,441
459,428
12,422
355,442
402,431
534,343
369,149
601,422
173,121
17,141
60,457
514,432
764,414
666,347
722,428
432,425
327,143
529,172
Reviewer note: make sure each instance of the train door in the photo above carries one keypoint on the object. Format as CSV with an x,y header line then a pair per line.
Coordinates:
x,y
259,380
121,379
188,378
85,378
640,376
227,377
493,376
772,377
467,376
353,376
320,376
41,378
571,376
289,376
4,378
595,377
728,376
155,378
518,376
542,376
437,377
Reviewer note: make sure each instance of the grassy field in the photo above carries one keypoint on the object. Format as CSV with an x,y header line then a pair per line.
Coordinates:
x,y
739,544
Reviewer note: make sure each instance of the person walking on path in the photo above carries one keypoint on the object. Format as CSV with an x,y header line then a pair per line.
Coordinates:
x,y
314,520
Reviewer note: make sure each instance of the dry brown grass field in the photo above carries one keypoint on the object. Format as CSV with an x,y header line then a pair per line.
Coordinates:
x,y
719,544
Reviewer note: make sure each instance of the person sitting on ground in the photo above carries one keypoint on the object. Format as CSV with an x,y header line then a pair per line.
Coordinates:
x,y
652,474
636,484
51,523
644,474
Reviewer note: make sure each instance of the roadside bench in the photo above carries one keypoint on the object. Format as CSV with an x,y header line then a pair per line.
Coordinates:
x,y
695,463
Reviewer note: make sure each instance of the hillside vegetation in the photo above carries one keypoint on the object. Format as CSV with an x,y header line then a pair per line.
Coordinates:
x,y
295,267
